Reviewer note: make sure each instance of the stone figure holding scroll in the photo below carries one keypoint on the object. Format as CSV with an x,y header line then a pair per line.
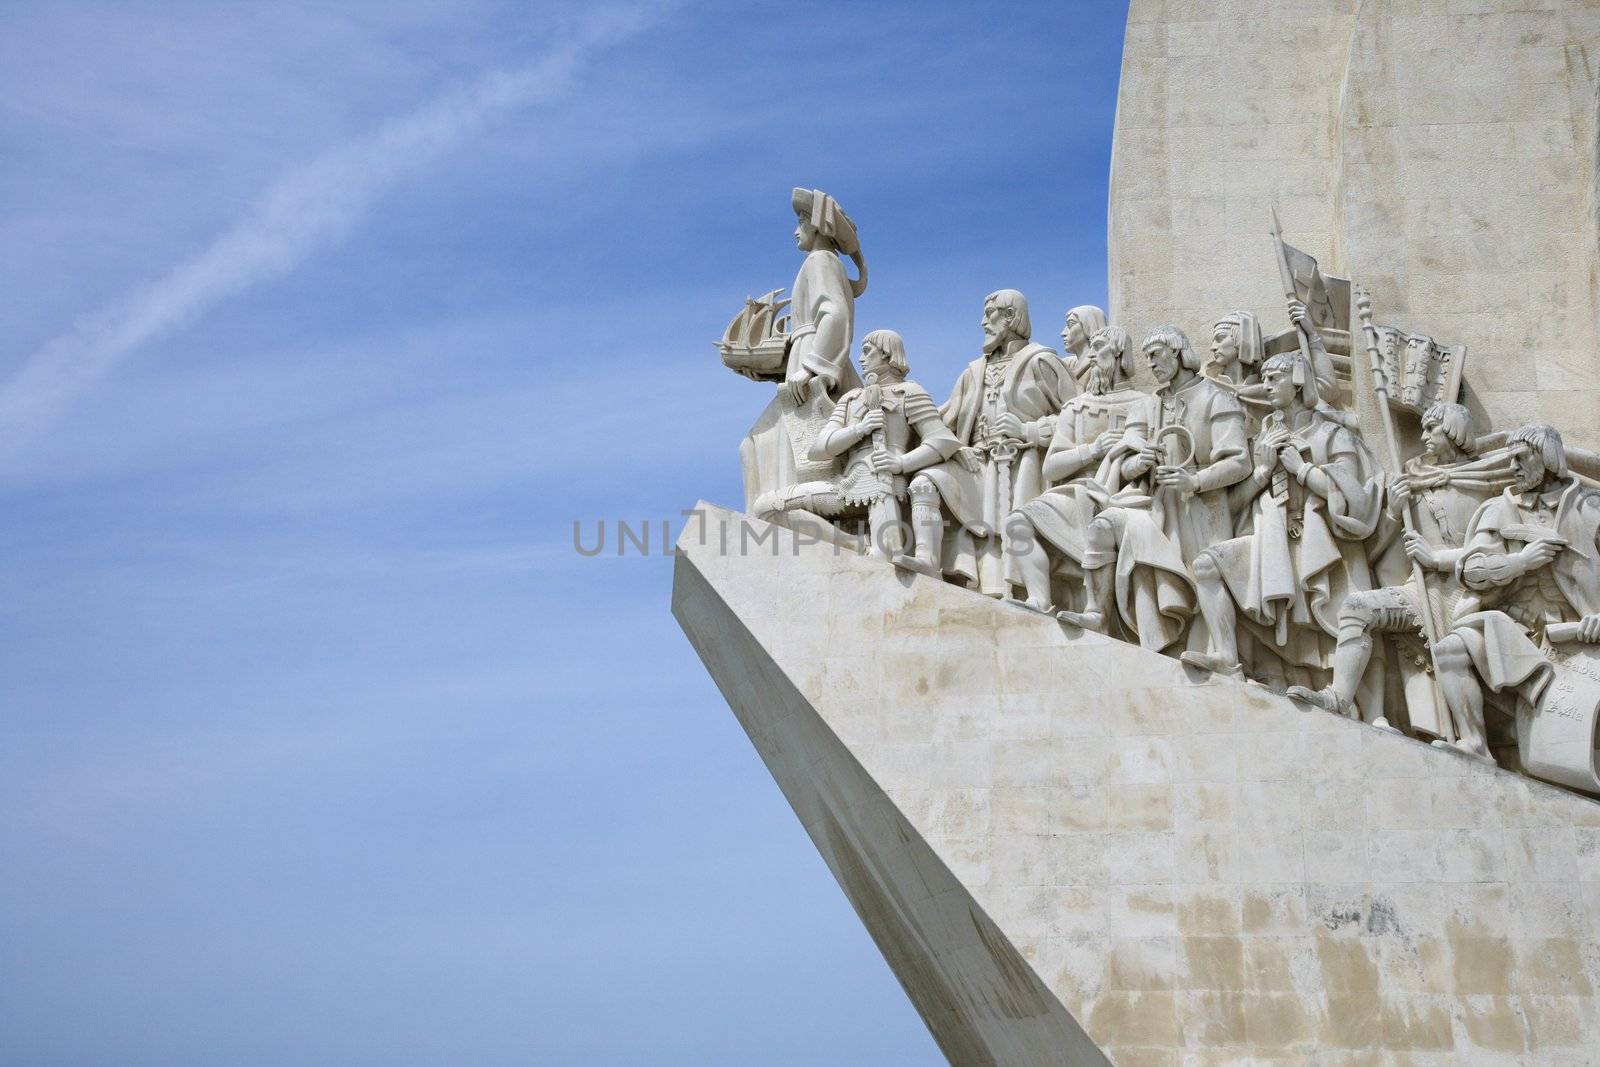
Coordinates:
x,y
1312,502
1531,568
1449,482
1002,410
886,431
1081,467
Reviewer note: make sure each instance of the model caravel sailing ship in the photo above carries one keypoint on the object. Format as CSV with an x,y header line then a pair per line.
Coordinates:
x,y
756,342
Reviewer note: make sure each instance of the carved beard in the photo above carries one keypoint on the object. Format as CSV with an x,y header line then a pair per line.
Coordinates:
x,y
1097,383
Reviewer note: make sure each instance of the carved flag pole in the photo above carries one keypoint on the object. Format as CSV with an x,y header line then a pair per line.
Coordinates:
x,y
1289,291
1380,385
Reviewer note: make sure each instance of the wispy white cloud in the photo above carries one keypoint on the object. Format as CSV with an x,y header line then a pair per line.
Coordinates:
x,y
311,207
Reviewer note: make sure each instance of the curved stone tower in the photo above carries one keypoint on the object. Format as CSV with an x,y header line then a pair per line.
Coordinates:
x,y
1441,152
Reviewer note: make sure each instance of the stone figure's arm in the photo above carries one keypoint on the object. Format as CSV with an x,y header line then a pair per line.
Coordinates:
x,y
935,441
1066,457
1487,561
1136,439
835,438
1263,461
1230,452
829,341
1055,382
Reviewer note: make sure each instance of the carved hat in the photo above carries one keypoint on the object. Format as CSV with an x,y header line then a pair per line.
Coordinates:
x,y
823,212
1250,344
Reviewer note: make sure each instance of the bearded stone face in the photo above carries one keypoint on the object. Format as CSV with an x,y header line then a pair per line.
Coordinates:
x,y
1103,357
997,325
1529,466
1164,361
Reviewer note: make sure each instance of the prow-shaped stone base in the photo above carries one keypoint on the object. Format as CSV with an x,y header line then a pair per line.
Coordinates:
x,y
1071,850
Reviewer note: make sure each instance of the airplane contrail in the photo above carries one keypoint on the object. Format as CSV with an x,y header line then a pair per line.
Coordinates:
x,y
309,208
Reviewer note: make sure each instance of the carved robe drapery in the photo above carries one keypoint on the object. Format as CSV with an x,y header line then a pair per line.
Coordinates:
x,y
1032,384
1501,618
1303,552
1060,515
822,289
1159,533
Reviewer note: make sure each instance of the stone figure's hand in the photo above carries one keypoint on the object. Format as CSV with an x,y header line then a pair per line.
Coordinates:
x,y
798,387
968,458
1144,460
1011,428
884,463
1107,440
1536,554
1290,457
1267,446
1399,494
1178,478
1589,630
1299,316
1421,552
871,422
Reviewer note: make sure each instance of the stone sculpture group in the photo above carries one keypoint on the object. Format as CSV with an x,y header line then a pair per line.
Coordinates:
x,y
1238,516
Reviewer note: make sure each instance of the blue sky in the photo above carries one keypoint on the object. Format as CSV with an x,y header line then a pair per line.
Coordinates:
x,y
322,324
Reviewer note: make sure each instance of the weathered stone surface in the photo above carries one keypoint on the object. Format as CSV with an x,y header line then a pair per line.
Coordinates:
x,y
1053,834
1442,152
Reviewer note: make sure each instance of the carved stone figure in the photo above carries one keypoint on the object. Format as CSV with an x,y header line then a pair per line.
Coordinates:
x,y
807,351
1312,503
1081,467
1449,482
1186,446
1530,564
822,302
1235,350
887,430
1083,322
1002,408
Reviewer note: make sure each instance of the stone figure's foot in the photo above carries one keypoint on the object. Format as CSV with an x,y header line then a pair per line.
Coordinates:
x,y
1035,604
1384,724
1466,749
909,562
1326,699
1210,661
1086,620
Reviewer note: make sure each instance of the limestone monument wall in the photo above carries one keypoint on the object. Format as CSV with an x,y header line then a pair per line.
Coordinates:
x,y
1075,851
1442,152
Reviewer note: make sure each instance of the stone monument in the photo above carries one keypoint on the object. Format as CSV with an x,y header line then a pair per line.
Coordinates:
x,y
1254,717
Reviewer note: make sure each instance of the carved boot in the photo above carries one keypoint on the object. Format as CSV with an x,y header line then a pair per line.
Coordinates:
x,y
1326,699
1210,661
1097,596
927,530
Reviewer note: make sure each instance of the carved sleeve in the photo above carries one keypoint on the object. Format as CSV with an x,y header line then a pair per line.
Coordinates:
x,y
1230,450
834,439
1485,563
930,427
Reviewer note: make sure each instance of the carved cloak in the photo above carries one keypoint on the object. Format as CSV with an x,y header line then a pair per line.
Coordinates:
x,y
822,288
1288,583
